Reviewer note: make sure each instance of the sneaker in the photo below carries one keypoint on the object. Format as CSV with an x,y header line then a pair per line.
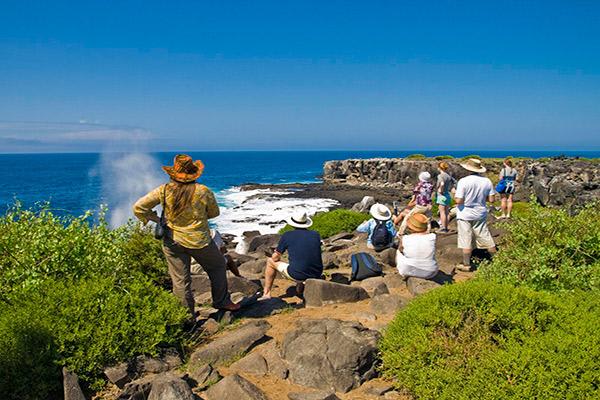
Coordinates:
x,y
463,267
444,230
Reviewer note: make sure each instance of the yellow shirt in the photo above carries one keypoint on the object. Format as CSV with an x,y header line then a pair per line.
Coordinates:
x,y
190,228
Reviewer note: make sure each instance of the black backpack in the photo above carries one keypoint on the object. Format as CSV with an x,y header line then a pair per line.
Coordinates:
x,y
381,237
364,266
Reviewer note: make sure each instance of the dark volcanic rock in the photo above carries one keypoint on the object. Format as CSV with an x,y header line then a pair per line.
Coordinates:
x,y
72,390
387,304
203,376
118,374
330,354
231,344
374,286
253,363
170,387
318,292
264,241
236,388
318,395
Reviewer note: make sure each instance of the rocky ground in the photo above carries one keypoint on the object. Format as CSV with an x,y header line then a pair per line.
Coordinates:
x,y
284,348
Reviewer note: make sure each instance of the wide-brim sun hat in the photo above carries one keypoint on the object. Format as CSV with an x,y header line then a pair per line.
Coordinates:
x,y
184,169
299,219
424,176
418,222
380,212
473,165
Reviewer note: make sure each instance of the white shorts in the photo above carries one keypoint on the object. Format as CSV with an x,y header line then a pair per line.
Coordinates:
x,y
474,231
282,268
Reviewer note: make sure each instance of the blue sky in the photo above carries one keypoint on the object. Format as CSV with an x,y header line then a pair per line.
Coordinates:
x,y
299,75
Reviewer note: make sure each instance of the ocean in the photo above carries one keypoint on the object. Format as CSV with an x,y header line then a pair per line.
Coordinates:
x,y
76,182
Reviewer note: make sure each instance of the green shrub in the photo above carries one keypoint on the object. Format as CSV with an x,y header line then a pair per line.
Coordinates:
x,y
489,341
471,156
441,158
333,222
415,157
548,249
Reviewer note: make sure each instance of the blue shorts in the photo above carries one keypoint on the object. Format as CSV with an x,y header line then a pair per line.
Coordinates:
x,y
443,199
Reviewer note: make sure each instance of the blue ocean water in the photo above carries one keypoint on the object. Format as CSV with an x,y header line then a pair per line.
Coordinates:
x,y
74,183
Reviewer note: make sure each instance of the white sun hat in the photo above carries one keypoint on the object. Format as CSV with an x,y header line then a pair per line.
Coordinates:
x,y
473,165
380,212
299,219
424,176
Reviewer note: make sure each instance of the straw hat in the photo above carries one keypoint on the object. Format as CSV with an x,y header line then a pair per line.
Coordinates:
x,y
417,223
299,220
380,212
424,176
473,165
184,169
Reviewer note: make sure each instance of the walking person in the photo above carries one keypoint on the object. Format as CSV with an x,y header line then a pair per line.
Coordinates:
x,y
188,206
443,198
506,187
472,194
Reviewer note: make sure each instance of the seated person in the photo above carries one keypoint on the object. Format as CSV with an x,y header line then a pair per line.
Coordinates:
x,y
304,254
380,228
229,261
416,252
419,203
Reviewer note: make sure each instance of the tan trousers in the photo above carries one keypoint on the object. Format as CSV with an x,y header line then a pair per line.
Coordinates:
x,y
210,258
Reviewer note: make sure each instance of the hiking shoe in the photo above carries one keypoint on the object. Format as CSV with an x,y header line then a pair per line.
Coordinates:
x,y
230,307
444,230
463,267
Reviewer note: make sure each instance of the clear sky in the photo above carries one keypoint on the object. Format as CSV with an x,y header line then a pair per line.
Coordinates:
x,y
247,75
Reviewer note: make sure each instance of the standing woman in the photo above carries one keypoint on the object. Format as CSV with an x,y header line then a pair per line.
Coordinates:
x,y
443,198
188,206
508,176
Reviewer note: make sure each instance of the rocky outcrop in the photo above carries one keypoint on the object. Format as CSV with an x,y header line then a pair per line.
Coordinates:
x,y
329,354
235,387
320,292
553,182
170,387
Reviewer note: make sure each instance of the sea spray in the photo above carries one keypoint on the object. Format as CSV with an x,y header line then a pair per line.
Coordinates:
x,y
125,178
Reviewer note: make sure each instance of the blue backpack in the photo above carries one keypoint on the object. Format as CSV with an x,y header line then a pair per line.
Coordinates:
x,y
364,266
381,236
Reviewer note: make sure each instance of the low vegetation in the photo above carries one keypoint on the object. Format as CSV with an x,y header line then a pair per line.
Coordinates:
x,y
416,157
77,294
549,249
491,341
333,222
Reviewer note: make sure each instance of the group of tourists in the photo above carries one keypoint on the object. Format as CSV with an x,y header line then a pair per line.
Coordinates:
x,y
187,207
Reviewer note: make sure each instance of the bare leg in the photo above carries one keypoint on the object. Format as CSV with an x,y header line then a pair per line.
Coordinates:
x,y
503,205
509,205
443,216
270,273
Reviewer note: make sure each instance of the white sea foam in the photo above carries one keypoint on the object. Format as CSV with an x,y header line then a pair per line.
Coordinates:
x,y
261,210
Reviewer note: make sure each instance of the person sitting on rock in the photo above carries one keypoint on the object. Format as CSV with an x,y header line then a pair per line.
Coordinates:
x,y
380,229
419,203
304,255
416,251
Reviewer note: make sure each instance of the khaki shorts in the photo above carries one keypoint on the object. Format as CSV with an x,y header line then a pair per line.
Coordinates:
x,y
282,268
474,231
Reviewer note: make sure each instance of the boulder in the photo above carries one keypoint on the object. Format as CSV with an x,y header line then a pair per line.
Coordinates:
x,y
118,374
201,285
253,363
387,256
338,245
417,286
329,354
72,390
364,205
244,241
230,344
318,395
394,281
276,366
170,387
341,236
254,267
239,259
234,387
330,260
138,389
387,304
318,292
374,286
266,242
203,376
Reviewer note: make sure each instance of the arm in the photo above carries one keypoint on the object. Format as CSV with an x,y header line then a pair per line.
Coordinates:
x,y
143,208
364,227
392,228
459,194
212,208
276,257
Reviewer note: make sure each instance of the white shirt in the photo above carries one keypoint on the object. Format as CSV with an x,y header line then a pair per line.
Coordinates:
x,y
474,190
418,256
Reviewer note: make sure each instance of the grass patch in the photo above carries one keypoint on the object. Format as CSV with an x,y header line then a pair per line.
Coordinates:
x,y
333,222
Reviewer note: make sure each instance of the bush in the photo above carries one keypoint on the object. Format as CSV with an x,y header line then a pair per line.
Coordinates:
x,y
471,156
548,249
441,158
415,157
333,222
80,295
490,341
